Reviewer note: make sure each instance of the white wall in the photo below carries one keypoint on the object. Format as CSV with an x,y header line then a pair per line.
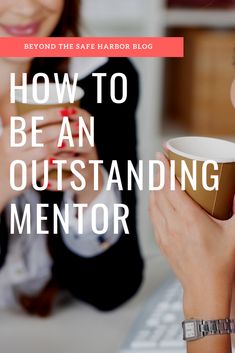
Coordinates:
x,y
134,18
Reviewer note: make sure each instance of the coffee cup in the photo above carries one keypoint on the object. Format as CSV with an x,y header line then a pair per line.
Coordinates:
x,y
217,202
52,102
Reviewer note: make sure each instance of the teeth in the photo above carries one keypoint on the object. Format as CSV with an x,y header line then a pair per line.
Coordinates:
x,y
25,31
30,30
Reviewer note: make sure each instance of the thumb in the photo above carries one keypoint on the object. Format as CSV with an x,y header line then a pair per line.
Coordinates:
x,y
233,211
231,220
234,205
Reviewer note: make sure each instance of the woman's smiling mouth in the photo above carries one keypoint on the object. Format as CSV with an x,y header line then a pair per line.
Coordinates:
x,y
22,31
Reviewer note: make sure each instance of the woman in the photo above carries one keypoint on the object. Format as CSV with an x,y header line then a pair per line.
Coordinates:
x,y
201,251
102,270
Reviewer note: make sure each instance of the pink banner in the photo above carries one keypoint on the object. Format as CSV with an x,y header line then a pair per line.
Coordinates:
x,y
92,46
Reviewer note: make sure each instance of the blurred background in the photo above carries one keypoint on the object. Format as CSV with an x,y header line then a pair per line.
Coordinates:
x,y
189,96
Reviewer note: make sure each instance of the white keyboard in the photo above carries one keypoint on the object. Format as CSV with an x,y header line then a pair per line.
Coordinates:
x,y
158,327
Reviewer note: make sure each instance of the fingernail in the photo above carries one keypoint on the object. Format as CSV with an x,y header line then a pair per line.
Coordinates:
x,y
49,185
76,135
63,145
51,160
64,112
165,147
73,111
158,155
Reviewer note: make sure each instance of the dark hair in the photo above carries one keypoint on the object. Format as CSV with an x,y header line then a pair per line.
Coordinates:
x,y
69,22
68,26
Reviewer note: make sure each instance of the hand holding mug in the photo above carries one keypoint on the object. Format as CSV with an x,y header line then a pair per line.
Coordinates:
x,y
27,153
84,153
199,248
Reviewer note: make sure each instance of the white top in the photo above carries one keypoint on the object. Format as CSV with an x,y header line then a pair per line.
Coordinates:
x,y
28,264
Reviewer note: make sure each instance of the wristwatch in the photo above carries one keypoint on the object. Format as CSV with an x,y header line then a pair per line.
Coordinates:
x,y
196,329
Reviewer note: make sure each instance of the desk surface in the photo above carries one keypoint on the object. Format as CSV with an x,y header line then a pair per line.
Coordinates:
x,y
78,327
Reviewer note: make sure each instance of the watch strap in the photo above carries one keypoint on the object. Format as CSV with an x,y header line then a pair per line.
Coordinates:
x,y
195,329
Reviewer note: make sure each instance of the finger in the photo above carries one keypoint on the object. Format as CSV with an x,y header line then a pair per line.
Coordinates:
x,y
182,203
164,208
231,221
234,205
50,116
155,211
160,196
172,219
65,155
76,147
83,114
39,154
165,150
158,221
49,133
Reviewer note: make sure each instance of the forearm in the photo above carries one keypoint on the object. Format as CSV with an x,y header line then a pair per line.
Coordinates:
x,y
210,303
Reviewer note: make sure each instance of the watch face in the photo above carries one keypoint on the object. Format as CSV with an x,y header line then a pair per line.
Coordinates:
x,y
189,329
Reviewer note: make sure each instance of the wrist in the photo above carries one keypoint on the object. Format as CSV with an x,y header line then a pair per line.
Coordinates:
x,y
208,303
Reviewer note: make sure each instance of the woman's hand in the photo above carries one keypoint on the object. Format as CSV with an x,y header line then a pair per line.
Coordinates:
x,y
85,154
200,249
51,128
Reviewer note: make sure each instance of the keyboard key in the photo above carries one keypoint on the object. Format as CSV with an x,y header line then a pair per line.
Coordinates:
x,y
143,334
171,344
169,318
172,334
163,305
143,344
158,328
152,322
158,334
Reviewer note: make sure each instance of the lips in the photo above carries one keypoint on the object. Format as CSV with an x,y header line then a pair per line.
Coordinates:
x,y
22,31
